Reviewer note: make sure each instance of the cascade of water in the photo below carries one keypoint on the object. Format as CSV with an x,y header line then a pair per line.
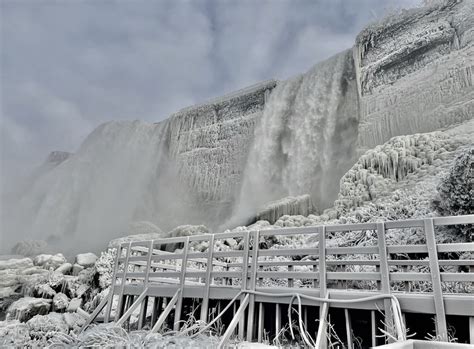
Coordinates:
x,y
306,138
98,191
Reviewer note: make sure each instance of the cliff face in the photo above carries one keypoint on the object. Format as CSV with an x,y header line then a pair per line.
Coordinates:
x,y
415,72
209,143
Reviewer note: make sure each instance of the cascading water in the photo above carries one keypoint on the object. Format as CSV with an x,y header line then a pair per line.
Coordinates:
x,y
93,195
306,138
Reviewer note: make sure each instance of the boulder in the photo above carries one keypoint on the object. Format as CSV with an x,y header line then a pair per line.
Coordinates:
x,y
44,327
16,263
7,292
86,259
27,307
64,268
76,269
74,304
41,259
60,302
48,261
44,291
74,320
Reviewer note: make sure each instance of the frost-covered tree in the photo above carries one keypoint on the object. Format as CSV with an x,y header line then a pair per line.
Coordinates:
x,y
456,190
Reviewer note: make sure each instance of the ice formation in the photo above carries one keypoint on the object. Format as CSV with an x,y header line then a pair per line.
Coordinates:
x,y
415,71
383,168
291,205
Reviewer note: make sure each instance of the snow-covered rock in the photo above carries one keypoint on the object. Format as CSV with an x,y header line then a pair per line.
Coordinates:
x,y
74,304
86,259
27,307
60,302
16,263
48,261
64,268
76,269
44,327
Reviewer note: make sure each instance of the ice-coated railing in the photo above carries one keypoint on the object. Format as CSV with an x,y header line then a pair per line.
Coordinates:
x,y
427,277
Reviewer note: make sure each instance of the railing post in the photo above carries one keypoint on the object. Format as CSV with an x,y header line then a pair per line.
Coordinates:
x,y
441,326
112,285
205,298
253,275
384,276
179,304
118,312
142,314
323,309
245,270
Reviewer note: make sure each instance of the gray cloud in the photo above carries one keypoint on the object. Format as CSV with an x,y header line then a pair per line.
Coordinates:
x,y
67,66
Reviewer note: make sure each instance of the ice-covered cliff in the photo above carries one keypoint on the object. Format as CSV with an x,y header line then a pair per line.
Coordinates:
x,y
209,144
415,71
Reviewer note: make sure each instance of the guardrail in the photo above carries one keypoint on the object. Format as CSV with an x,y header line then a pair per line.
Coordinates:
x,y
427,277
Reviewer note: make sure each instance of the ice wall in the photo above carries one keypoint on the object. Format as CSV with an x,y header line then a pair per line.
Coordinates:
x,y
304,140
415,72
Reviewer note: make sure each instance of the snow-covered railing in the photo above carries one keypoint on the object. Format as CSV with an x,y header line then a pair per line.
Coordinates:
x,y
424,277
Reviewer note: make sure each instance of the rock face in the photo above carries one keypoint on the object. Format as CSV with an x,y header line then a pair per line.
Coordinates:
x,y
223,160
209,143
415,72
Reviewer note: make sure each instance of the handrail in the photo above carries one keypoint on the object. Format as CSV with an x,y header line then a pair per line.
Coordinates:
x,y
323,264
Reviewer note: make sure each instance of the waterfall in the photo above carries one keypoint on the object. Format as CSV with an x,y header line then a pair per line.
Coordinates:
x,y
94,194
306,138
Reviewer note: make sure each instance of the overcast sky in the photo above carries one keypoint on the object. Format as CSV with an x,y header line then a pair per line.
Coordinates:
x,y
68,66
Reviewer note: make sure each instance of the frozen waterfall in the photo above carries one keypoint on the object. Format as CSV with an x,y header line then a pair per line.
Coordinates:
x,y
305,140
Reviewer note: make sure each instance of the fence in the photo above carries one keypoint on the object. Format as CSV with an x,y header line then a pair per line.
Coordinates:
x,y
427,277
